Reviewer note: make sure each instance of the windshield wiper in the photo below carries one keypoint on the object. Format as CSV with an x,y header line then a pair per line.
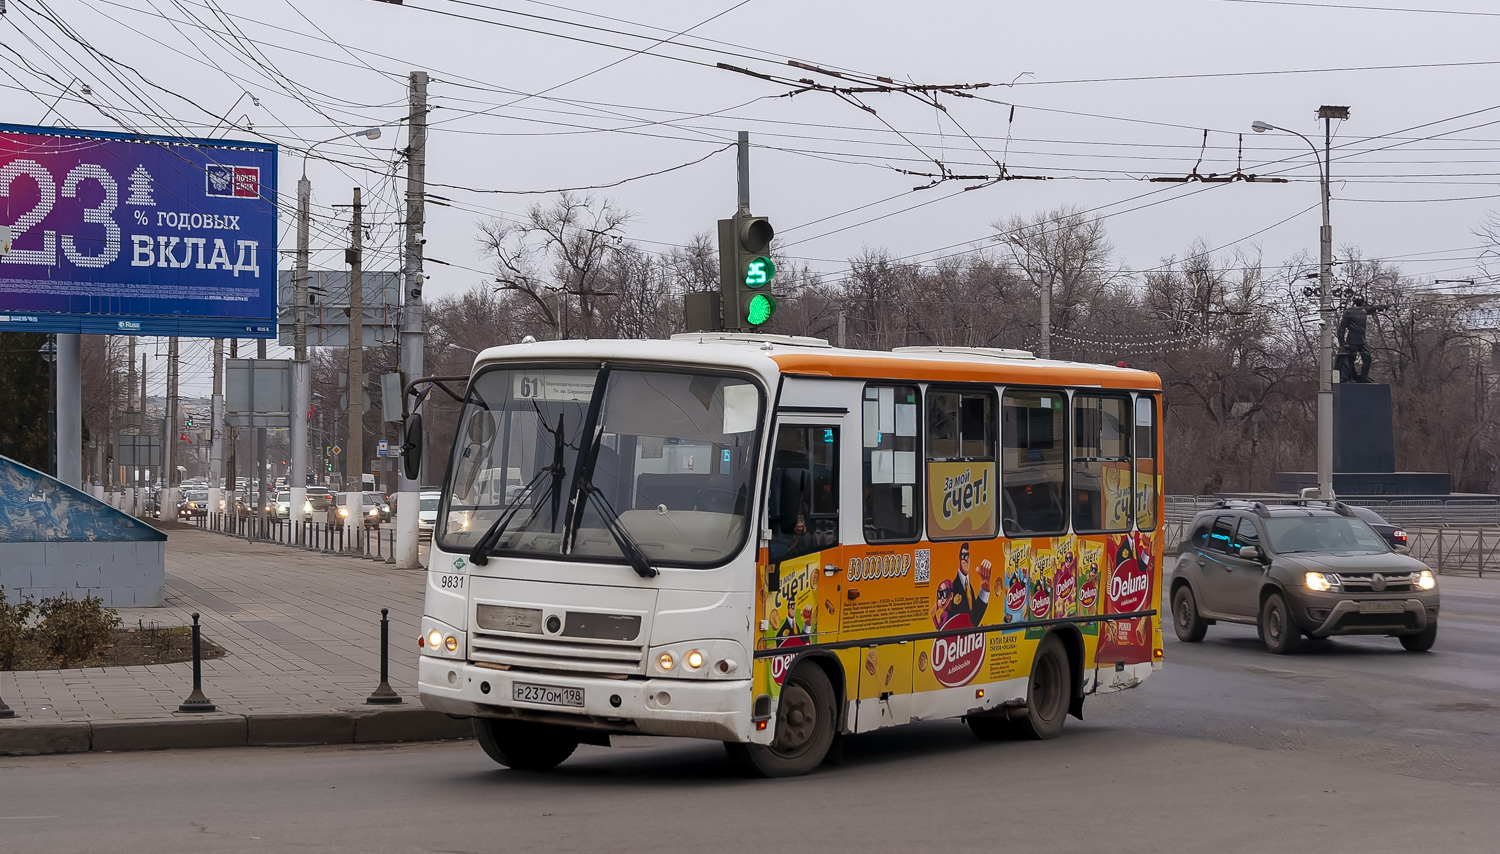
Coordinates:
x,y
481,553
491,537
628,546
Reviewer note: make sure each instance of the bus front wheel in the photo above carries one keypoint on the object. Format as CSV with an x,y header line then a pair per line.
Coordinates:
x,y
804,728
523,745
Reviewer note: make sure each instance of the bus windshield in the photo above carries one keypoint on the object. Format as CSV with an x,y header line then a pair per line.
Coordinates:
x,y
669,458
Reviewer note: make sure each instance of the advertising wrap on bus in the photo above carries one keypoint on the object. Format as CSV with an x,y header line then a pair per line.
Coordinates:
x,y
137,235
939,589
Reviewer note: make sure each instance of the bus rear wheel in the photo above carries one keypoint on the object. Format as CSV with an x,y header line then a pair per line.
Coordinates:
x,y
804,728
523,745
1048,694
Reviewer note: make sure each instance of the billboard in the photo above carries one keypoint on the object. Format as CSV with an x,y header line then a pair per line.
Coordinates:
x,y
126,234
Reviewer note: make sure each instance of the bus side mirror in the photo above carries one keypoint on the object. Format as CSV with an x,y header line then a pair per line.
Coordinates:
x,y
793,489
411,448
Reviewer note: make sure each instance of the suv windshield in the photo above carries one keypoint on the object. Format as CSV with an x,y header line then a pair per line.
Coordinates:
x,y
1290,534
671,453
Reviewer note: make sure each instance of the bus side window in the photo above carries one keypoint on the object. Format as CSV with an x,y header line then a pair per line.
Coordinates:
x,y
961,475
1145,463
890,482
1033,464
1101,464
802,502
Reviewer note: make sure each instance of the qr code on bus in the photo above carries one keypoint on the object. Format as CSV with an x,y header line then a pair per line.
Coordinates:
x,y
922,569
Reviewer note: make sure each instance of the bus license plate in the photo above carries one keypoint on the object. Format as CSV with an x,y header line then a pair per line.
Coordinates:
x,y
551,695
1381,607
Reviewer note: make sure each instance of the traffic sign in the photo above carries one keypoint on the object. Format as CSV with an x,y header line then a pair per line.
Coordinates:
x,y
337,450
382,448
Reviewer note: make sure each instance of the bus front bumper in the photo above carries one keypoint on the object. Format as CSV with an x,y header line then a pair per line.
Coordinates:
x,y
716,709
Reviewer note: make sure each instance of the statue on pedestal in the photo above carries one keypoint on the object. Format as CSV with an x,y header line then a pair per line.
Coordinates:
x,y
1353,359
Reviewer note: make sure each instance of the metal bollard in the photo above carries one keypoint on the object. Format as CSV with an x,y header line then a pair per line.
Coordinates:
x,y
8,712
196,701
383,695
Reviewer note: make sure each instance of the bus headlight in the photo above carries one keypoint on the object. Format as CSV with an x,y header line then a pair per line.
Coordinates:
x,y
434,639
1426,580
699,659
343,512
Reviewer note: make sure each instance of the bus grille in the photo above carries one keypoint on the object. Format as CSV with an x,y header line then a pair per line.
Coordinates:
x,y
538,654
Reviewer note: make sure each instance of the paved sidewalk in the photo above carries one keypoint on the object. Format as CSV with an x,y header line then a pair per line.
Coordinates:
x,y
302,635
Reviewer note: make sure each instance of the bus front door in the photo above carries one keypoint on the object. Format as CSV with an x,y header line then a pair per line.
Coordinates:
x,y
800,577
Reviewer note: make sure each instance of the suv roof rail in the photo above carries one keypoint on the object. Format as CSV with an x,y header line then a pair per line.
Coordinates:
x,y
1257,507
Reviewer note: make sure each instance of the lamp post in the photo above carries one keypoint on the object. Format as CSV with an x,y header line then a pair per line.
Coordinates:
x,y
301,376
1325,295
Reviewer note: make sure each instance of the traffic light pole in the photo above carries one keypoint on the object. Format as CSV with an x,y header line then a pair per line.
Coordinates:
x,y
743,149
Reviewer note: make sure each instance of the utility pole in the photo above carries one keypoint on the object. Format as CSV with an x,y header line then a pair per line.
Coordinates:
x,y
354,465
169,452
1325,292
411,312
1325,311
132,419
1044,344
141,481
260,451
216,429
301,375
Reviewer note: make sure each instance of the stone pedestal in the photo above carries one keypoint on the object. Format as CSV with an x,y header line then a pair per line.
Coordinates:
x,y
1364,450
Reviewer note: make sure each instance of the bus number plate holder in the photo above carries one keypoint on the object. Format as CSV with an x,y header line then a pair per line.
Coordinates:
x,y
548,695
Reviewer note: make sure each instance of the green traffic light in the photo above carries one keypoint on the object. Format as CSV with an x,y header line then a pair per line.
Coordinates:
x,y
760,309
759,271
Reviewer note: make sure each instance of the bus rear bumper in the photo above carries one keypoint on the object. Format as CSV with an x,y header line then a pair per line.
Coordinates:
x,y
689,708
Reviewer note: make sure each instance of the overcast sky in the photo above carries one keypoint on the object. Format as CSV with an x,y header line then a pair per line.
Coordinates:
x,y
1106,94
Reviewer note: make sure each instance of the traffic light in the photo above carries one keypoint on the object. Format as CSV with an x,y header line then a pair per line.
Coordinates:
x,y
746,271
190,420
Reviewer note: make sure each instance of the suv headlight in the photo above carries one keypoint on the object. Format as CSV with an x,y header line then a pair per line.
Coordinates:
x,y
1426,580
1321,582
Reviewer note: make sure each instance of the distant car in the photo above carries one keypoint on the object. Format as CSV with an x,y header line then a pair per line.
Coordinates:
x,y
1394,536
379,501
371,515
1314,568
316,504
427,510
194,503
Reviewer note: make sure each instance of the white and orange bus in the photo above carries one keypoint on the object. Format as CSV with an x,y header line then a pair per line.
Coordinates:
x,y
771,542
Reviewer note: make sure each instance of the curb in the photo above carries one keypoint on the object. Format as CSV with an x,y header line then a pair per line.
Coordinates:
x,y
350,726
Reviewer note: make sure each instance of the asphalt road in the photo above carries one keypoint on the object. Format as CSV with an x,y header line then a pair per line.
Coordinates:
x,y
1352,745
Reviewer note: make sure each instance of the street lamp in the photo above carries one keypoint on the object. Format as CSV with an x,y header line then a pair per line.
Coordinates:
x,y
368,133
1325,306
301,378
